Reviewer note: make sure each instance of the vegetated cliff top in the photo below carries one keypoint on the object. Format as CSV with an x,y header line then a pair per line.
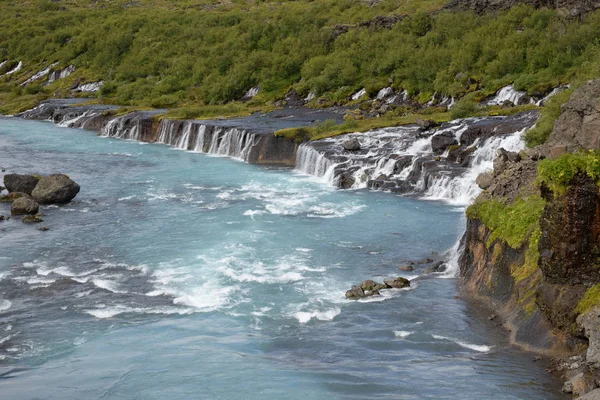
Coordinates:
x,y
174,54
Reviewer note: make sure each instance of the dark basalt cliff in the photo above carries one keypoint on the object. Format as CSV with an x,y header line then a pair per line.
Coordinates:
x,y
537,286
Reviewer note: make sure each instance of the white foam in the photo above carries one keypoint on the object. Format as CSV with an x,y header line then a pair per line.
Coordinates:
x,y
109,312
475,347
107,285
5,305
328,315
402,334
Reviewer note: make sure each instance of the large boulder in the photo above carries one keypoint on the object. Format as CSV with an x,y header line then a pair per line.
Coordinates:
x,y
441,141
579,122
9,198
351,144
397,283
54,189
20,183
24,205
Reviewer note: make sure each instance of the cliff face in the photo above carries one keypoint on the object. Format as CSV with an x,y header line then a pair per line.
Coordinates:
x,y
538,284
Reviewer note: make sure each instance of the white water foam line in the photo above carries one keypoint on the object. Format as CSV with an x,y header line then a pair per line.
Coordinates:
x,y
470,346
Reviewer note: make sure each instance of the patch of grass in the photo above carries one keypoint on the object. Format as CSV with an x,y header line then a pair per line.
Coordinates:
x,y
233,109
590,299
514,223
540,133
329,129
530,266
558,174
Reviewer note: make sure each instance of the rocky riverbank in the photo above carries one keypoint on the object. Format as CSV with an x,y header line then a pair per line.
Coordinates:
x,y
531,247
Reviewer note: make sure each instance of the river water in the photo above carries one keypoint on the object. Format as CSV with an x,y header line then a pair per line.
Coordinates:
x,y
186,276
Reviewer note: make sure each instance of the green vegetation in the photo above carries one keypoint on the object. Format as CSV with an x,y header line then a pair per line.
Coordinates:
x,y
589,300
530,266
550,113
558,174
514,223
189,54
329,128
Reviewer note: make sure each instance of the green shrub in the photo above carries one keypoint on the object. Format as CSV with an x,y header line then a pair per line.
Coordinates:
x,y
540,133
558,174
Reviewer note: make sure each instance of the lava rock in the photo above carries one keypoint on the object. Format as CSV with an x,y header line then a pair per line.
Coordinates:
x,y
351,144
20,183
436,267
43,228
24,205
346,181
406,268
397,283
55,189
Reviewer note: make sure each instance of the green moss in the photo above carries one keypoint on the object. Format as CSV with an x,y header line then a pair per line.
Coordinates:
x,y
558,174
514,223
590,299
329,129
530,266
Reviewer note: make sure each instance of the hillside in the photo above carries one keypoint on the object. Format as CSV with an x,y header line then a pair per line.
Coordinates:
x,y
188,55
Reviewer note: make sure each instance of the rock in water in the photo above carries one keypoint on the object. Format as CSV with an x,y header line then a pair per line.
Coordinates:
x,y
56,188
32,219
397,283
351,144
20,183
24,205
355,293
9,198
371,286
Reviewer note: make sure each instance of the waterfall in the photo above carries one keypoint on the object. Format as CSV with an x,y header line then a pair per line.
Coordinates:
x,y
406,160
124,127
508,93
235,143
74,122
184,141
200,140
15,69
166,132
311,161
462,190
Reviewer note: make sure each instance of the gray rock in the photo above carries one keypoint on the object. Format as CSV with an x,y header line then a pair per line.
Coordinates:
x,y
351,144
406,268
355,293
436,267
9,198
593,395
590,321
484,181
55,189
426,124
20,183
440,142
24,205
371,286
32,219
397,283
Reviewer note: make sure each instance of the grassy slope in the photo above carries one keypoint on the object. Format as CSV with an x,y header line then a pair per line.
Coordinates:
x,y
188,54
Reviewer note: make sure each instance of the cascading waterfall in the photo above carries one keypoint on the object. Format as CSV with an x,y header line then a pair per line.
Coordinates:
x,y
75,122
403,160
200,139
461,190
184,141
122,128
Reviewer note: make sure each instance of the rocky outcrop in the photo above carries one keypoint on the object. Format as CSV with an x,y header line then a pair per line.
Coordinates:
x,y
55,189
20,183
370,288
579,122
538,286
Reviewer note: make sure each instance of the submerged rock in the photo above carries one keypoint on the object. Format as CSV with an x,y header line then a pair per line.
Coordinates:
x,y
54,189
24,205
406,268
32,219
20,183
355,293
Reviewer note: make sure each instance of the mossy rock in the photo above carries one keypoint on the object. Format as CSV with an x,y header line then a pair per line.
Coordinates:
x,y
32,219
